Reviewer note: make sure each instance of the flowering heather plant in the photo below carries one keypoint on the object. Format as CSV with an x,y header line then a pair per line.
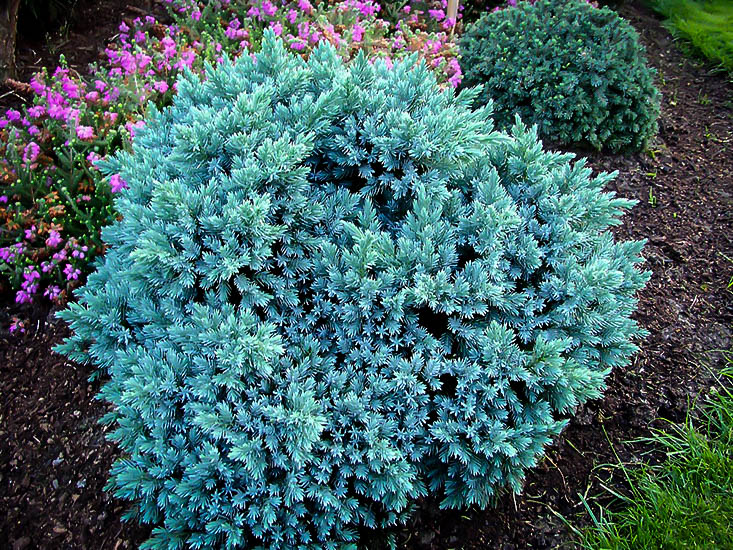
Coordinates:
x,y
428,15
53,200
230,26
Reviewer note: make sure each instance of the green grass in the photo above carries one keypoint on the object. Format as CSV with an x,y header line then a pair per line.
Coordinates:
x,y
686,502
705,25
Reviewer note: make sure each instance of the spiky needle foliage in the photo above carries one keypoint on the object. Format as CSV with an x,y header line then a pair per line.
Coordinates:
x,y
334,288
577,71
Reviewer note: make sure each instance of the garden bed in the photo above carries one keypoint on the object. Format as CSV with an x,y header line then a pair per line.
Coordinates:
x,y
54,459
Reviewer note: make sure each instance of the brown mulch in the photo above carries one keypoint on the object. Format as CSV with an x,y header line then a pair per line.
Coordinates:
x,y
53,455
54,458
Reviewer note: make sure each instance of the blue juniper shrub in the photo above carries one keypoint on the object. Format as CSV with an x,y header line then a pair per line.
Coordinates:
x,y
334,288
577,71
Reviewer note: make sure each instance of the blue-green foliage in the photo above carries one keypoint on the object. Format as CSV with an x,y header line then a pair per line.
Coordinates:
x,y
334,288
576,71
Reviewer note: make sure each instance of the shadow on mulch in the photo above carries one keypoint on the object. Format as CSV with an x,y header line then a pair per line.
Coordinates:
x,y
54,459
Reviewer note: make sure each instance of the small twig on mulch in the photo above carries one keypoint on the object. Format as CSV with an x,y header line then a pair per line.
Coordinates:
x,y
18,87
135,9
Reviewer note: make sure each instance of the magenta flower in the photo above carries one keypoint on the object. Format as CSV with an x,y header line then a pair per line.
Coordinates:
x,y
113,94
438,15
169,47
31,152
37,111
368,8
269,8
30,276
70,88
143,60
234,32
357,33
54,239
37,85
297,46
92,158
186,60
127,62
276,27
117,184
60,255
133,126
52,292
85,132
16,324
58,112
71,273
22,297
161,86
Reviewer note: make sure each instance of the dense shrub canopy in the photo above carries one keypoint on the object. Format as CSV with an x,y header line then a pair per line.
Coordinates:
x,y
334,288
576,71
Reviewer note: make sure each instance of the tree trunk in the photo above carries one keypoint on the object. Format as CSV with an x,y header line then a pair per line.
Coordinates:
x,y
8,30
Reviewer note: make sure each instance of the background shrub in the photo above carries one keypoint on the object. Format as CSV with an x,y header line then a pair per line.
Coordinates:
x,y
576,71
334,287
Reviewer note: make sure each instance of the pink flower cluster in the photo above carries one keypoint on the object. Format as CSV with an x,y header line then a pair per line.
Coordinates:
x,y
433,14
50,187
78,120
349,25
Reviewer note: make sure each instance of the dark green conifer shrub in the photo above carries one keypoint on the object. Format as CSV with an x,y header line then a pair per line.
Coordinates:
x,y
576,71
334,288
